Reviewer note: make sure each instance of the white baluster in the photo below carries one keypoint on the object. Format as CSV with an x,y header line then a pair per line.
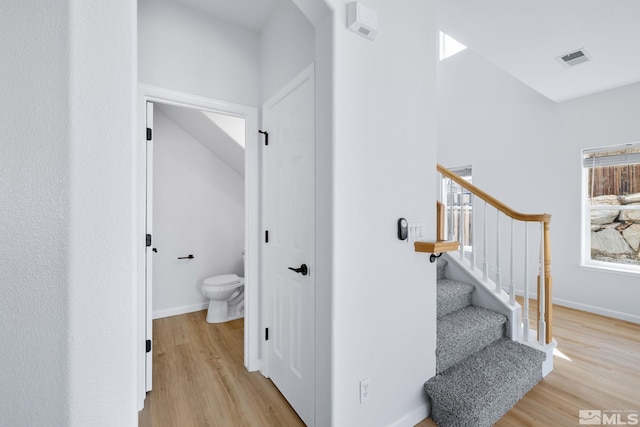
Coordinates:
x,y
512,285
485,266
461,226
542,326
450,209
473,233
525,316
498,273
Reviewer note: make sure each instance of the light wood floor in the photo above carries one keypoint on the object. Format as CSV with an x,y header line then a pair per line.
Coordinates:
x,y
200,380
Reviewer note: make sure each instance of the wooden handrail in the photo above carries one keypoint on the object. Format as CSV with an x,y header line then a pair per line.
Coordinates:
x,y
545,219
492,200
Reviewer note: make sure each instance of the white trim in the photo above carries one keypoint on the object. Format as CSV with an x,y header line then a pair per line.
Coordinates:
x,y
611,267
588,308
586,262
175,311
252,342
597,310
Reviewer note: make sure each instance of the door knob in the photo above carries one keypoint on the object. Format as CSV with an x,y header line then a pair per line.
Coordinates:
x,y
302,270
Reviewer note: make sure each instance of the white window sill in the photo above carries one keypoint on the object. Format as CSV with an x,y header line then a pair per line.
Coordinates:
x,y
608,267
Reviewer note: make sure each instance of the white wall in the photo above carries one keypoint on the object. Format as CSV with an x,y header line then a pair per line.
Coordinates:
x,y
495,123
34,213
286,48
68,304
198,208
194,52
384,160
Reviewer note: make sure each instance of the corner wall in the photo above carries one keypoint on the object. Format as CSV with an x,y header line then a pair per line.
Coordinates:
x,y
505,129
68,318
197,53
286,48
34,213
384,168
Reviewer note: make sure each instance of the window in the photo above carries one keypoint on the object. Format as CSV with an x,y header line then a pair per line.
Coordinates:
x,y
611,192
455,199
449,46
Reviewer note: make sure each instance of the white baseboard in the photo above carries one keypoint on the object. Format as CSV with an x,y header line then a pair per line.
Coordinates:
x,y
413,417
588,308
168,312
598,310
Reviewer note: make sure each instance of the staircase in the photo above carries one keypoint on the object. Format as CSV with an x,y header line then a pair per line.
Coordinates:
x,y
480,372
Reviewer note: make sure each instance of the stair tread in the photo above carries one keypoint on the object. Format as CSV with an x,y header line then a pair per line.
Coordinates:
x,y
484,386
453,295
464,332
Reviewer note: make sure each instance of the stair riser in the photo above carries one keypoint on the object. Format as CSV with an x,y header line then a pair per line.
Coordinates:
x,y
453,352
481,389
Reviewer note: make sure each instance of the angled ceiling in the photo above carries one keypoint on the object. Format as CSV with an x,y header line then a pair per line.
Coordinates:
x,y
250,14
203,127
525,38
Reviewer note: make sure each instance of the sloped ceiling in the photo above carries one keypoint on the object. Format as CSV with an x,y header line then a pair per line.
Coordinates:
x,y
524,38
204,129
250,14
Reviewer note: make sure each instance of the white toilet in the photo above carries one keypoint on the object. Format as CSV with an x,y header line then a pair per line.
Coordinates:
x,y
226,295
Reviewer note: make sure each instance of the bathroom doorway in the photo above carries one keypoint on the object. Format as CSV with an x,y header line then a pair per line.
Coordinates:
x,y
198,204
203,203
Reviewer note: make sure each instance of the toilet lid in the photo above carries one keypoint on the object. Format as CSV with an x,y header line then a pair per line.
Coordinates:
x,y
224,279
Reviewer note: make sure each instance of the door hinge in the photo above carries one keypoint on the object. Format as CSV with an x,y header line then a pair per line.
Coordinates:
x,y
149,134
148,346
266,334
266,136
266,236
148,240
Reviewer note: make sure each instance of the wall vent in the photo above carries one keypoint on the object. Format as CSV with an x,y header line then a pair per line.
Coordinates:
x,y
574,58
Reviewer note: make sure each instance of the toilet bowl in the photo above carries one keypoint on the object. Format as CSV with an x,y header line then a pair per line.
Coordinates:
x,y
226,297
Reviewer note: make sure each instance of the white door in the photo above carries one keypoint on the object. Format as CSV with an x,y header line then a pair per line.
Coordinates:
x,y
149,250
288,216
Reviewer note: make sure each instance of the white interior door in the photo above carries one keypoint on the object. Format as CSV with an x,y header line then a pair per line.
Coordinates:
x,y
288,215
149,251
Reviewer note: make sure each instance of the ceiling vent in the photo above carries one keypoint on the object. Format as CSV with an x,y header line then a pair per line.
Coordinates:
x,y
574,58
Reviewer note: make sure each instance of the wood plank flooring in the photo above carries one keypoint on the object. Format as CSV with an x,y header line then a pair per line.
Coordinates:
x,y
200,380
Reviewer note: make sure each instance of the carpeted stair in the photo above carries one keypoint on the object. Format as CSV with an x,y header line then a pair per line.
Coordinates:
x,y
480,374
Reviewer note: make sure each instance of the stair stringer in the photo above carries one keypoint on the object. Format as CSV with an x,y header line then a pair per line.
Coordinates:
x,y
485,295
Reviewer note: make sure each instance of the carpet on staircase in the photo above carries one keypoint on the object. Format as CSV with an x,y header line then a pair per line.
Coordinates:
x,y
480,374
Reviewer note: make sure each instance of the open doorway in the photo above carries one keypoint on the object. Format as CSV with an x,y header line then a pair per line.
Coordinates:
x,y
187,109
197,206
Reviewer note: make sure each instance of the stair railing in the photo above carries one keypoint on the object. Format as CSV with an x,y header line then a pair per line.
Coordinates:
x,y
459,200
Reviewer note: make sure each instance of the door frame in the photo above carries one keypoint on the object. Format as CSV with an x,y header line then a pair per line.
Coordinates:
x,y
252,337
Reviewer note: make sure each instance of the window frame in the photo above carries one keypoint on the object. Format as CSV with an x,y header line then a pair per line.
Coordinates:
x,y
585,257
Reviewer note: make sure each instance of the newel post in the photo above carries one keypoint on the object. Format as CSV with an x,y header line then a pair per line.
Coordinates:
x,y
548,306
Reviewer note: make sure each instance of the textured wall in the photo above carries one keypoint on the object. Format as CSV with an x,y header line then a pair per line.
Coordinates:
x,y
34,212
286,48
67,308
194,52
384,160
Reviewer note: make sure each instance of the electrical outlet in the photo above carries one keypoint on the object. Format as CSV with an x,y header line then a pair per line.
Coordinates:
x,y
365,390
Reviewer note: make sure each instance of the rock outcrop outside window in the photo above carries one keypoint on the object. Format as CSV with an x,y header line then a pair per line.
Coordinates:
x,y
615,234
